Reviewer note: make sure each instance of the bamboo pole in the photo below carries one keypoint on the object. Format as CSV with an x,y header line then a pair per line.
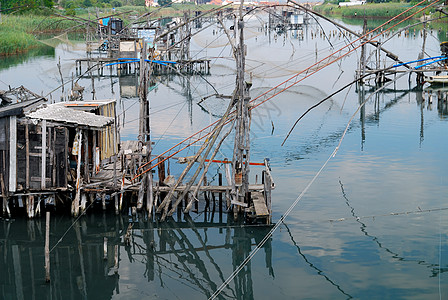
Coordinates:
x,y
195,192
215,133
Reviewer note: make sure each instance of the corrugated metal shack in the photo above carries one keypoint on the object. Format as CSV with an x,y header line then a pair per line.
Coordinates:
x,y
48,150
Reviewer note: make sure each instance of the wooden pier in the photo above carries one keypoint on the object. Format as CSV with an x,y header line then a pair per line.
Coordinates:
x,y
103,66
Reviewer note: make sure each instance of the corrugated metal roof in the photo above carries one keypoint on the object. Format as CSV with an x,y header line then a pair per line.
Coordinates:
x,y
59,113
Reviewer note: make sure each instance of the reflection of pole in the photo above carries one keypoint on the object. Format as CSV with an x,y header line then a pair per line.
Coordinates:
x,y
362,114
319,271
184,242
81,262
17,272
420,101
148,236
204,245
172,241
47,247
240,250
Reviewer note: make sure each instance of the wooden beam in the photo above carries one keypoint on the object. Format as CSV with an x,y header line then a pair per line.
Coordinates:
x,y
86,157
27,158
44,154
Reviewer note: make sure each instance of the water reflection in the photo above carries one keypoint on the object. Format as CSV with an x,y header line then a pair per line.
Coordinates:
x,y
435,269
14,60
188,254
436,95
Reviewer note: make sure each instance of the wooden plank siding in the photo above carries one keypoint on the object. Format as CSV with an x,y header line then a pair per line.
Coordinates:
x,y
29,157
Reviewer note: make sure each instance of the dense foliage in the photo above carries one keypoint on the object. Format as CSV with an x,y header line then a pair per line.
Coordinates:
x,y
99,3
14,5
370,10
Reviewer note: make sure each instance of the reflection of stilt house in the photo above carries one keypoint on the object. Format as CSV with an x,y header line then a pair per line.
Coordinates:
x,y
48,148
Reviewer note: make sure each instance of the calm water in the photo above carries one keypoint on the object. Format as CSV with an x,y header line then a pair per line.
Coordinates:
x,y
372,226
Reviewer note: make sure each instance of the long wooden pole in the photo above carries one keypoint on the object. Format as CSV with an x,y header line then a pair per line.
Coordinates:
x,y
75,205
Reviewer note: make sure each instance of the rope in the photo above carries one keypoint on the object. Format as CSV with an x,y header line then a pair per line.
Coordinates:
x,y
70,227
288,211
287,83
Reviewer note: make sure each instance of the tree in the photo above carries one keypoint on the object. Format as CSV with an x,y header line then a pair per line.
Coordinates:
x,y
9,5
165,3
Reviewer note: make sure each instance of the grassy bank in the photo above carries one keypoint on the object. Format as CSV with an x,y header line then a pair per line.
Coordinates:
x,y
17,32
15,41
370,10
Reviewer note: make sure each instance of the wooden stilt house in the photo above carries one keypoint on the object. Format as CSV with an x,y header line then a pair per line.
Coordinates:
x,y
51,148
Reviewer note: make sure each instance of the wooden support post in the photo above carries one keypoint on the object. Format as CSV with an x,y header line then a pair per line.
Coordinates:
x,y
141,192
30,206
220,194
86,157
207,201
27,157
75,204
267,190
230,180
12,154
96,152
161,170
47,247
44,154
83,202
5,196
149,196
52,147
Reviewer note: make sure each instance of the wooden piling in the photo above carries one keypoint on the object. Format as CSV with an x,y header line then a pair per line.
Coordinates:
x,y
30,206
220,194
27,157
161,170
141,192
12,154
75,204
44,154
149,195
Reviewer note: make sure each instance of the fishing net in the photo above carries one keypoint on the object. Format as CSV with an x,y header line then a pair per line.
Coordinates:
x,y
63,40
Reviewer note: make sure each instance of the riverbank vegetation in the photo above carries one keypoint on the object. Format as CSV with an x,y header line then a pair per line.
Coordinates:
x,y
20,27
369,10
